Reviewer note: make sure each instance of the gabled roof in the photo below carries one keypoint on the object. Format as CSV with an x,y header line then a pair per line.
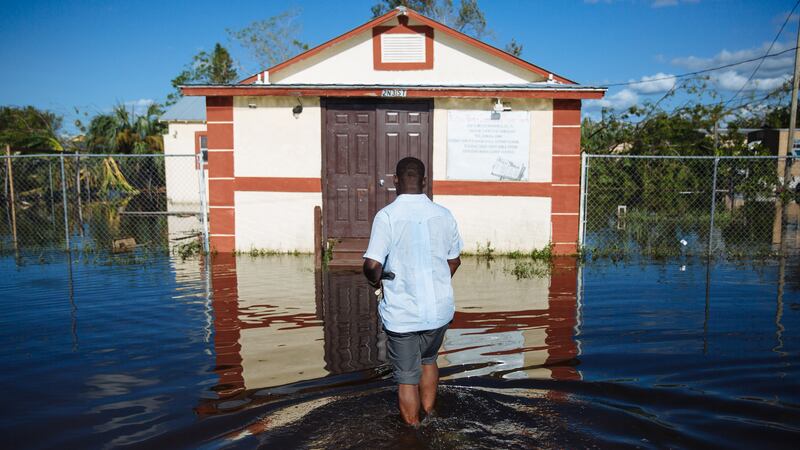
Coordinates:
x,y
187,109
402,11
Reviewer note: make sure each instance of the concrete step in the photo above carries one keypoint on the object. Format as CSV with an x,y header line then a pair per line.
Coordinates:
x,y
346,263
350,245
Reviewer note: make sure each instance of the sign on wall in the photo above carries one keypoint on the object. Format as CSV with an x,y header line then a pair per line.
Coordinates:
x,y
487,146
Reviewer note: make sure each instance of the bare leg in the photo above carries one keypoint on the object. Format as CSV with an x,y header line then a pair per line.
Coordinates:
x,y
409,402
427,386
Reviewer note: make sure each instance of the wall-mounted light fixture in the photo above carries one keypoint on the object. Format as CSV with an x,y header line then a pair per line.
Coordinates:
x,y
251,102
298,109
498,108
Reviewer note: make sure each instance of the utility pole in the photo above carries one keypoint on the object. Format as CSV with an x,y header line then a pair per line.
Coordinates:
x,y
787,162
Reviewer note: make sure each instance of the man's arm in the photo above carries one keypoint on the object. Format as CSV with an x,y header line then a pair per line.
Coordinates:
x,y
378,248
453,263
373,270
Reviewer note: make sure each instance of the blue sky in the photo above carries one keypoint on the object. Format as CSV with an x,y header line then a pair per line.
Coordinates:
x,y
60,55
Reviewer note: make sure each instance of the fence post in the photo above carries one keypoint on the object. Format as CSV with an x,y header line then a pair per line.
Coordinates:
x,y
64,201
78,189
713,206
11,198
582,204
203,206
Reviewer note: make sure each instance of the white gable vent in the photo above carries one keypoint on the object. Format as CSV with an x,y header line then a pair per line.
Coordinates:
x,y
402,48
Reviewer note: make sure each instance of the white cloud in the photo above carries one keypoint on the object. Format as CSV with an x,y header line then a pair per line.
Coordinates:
x,y
663,3
616,101
630,95
773,72
652,84
139,106
653,3
772,66
733,81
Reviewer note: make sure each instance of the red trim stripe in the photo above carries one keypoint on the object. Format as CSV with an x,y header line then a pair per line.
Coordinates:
x,y
418,92
491,188
277,184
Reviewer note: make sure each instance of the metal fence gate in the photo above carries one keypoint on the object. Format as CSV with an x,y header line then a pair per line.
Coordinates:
x,y
101,204
661,206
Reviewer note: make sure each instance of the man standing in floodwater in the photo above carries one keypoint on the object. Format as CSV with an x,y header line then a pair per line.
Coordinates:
x,y
413,253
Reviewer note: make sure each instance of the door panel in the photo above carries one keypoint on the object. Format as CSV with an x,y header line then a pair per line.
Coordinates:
x,y
363,142
349,153
403,130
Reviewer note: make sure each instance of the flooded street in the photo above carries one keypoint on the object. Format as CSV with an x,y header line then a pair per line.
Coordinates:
x,y
249,352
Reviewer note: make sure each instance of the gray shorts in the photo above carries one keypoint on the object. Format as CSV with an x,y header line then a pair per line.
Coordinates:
x,y
408,351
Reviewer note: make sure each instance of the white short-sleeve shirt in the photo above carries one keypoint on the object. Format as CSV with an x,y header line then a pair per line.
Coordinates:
x,y
414,237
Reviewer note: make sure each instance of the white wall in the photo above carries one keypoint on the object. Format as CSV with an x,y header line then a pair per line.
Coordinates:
x,y
509,223
282,221
271,142
541,144
180,172
454,62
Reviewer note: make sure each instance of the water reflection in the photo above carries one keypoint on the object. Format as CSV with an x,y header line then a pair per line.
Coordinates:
x,y
280,327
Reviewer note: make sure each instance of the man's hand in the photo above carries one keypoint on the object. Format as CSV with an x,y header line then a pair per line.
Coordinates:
x,y
373,270
454,263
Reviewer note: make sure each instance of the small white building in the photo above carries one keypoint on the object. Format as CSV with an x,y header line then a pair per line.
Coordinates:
x,y
500,138
186,135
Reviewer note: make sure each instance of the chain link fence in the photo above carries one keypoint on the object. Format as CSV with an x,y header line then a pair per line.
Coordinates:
x,y
686,206
101,204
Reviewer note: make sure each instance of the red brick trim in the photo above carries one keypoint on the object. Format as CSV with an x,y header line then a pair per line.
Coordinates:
x,y
227,326
566,169
562,312
278,184
220,165
219,109
565,200
566,112
221,214
220,136
491,188
222,220
220,192
566,164
567,141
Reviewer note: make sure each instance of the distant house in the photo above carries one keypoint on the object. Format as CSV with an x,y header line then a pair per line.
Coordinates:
x,y
500,138
186,135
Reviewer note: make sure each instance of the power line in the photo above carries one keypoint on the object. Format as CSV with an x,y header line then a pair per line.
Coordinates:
x,y
749,79
698,72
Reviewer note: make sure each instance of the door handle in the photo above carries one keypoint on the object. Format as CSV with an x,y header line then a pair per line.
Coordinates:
x,y
380,182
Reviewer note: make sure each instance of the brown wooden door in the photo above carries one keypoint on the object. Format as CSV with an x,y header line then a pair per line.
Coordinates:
x,y
363,142
403,130
353,336
349,168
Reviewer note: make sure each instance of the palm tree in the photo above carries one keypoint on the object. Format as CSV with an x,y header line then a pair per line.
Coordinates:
x,y
124,131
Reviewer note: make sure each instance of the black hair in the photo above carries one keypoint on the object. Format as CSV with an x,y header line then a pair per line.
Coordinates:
x,y
410,167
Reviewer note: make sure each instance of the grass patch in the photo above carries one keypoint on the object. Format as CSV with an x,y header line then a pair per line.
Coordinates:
x,y
189,249
526,269
256,252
